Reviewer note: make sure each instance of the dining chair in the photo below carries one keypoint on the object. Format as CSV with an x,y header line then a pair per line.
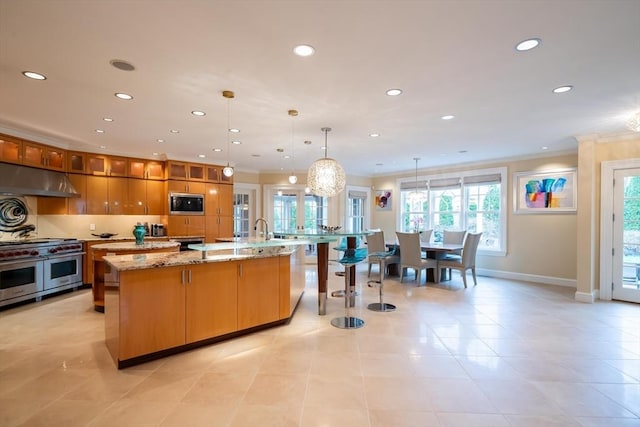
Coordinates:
x,y
466,262
425,239
411,255
453,238
378,253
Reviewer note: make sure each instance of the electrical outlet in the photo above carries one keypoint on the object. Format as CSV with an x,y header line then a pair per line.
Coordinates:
x,y
92,227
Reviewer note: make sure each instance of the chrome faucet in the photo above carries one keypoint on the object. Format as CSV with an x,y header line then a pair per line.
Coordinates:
x,y
266,227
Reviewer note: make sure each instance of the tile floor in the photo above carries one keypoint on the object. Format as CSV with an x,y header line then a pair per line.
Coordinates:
x,y
503,353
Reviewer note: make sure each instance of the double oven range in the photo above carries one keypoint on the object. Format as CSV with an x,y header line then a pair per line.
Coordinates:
x,y
30,269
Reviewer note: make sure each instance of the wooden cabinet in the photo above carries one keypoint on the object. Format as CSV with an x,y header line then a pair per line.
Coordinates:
x,y
106,195
78,205
153,317
145,169
212,300
43,156
144,197
101,165
76,162
186,225
10,149
218,200
174,186
258,292
185,171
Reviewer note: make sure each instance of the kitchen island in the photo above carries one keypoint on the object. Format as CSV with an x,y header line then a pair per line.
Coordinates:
x,y
163,303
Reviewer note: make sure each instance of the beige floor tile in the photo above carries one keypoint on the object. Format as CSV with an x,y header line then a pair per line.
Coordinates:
x,y
200,415
458,395
325,416
107,385
127,412
475,420
66,413
436,367
161,386
391,418
397,394
385,365
15,411
249,415
336,364
333,391
277,390
219,388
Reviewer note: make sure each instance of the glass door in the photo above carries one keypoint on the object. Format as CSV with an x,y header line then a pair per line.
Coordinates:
x,y
626,235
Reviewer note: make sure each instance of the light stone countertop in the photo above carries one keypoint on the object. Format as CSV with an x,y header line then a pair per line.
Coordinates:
x,y
170,259
131,246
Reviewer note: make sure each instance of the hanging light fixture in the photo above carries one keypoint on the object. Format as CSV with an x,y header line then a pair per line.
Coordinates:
x,y
292,178
228,170
416,196
634,122
326,177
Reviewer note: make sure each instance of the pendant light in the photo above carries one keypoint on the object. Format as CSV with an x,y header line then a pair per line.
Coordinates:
x,y
292,178
416,196
228,170
325,176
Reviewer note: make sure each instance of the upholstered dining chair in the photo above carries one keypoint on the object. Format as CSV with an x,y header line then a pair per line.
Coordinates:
x,y
378,253
453,238
425,238
466,262
411,255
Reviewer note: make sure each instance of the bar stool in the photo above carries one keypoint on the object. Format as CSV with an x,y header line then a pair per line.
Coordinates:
x,y
351,258
383,259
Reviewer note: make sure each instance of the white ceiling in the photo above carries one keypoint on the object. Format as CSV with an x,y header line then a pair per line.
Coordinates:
x,y
449,57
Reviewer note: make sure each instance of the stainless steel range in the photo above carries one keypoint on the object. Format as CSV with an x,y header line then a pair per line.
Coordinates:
x,y
30,269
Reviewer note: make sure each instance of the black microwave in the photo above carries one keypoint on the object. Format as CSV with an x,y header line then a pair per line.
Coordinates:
x,y
186,204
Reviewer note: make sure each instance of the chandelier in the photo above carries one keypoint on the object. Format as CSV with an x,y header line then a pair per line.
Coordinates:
x,y
292,178
416,196
634,122
228,170
325,176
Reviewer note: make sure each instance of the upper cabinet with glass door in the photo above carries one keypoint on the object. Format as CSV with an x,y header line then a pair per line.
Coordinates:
x,y
145,169
15,150
10,149
185,171
98,164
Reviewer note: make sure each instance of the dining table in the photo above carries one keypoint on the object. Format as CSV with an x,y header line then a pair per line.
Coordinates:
x,y
433,250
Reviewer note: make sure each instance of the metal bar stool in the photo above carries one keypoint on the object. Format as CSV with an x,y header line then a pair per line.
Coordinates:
x,y
351,258
383,258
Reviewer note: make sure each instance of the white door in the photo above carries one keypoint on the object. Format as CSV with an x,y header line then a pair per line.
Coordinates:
x,y
626,235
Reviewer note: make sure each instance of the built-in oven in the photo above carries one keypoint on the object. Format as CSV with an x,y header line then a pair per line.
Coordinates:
x,y
186,204
20,280
62,272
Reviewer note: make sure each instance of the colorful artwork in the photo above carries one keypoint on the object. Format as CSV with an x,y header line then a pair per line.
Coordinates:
x,y
545,192
383,200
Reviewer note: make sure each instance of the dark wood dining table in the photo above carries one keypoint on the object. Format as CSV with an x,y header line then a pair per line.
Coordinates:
x,y
433,251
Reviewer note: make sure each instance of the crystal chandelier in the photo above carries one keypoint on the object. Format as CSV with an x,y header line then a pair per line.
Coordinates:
x,y
634,122
416,196
228,170
326,177
292,178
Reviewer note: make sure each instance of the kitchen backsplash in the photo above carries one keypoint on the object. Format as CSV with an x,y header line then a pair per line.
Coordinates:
x,y
16,224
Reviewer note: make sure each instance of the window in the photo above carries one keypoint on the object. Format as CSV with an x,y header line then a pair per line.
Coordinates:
x,y
241,215
285,207
472,200
356,203
316,212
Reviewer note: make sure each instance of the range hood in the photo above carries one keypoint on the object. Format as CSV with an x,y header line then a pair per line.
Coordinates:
x,y
25,181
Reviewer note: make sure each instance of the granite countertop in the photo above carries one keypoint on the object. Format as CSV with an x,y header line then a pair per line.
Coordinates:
x,y
129,236
131,246
171,259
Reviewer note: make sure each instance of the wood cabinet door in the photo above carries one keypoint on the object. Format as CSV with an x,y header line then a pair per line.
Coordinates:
x,y
210,228
225,226
155,170
97,165
76,162
213,173
136,168
78,205
211,199
55,159
258,292
174,186
152,310
117,195
52,206
156,198
177,170
196,172
97,195
177,226
211,301
284,277
225,199
195,225
136,200
10,149
118,166
33,154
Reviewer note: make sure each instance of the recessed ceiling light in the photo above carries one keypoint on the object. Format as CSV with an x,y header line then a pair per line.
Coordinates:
x,y
217,150
99,131
528,44
374,135
447,117
202,156
286,156
255,155
174,131
234,130
160,140
563,89
545,148
324,147
154,154
124,96
304,50
103,146
394,92
107,119
122,65
236,142
34,75
198,113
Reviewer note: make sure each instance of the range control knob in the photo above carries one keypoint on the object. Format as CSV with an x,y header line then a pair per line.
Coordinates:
x,y
34,253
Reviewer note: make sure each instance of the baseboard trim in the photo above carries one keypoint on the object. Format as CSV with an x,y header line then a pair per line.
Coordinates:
x,y
588,297
547,280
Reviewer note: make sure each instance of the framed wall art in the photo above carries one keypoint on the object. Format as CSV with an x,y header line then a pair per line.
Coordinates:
x,y
553,191
383,200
